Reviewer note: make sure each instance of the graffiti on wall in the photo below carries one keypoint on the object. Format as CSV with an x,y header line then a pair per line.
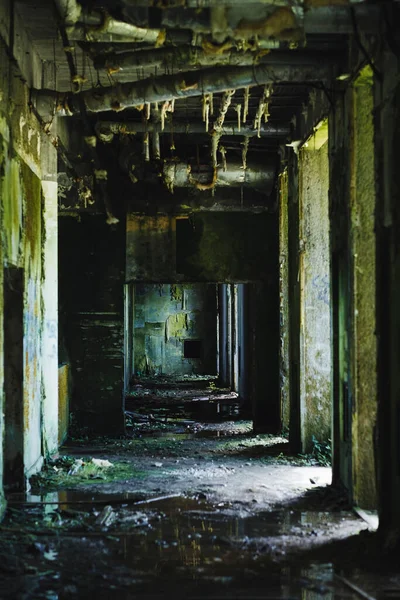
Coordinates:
x,y
321,285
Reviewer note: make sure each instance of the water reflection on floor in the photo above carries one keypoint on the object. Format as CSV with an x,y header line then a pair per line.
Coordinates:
x,y
187,548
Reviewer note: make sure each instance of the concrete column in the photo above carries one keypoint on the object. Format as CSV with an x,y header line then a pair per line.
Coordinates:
x,y
222,338
242,335
339,140
229,353
234,337
315,338
387,156
364,356
284,298
2,500
49,299
294,304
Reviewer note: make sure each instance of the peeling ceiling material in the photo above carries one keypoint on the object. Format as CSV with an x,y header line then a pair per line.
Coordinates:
x,y
203,85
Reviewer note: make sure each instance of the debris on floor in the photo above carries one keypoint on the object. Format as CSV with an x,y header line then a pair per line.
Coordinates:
x,y
202,508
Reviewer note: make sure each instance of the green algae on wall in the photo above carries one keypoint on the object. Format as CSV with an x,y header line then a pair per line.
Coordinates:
x,y
364,363
315,338
2,498
33,318
165,317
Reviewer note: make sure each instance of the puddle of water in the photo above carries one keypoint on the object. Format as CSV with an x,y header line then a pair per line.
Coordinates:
x,y
208,433
73,497
195,549
192,540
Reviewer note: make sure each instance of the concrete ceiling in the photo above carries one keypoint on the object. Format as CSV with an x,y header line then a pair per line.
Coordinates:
x,y
287,40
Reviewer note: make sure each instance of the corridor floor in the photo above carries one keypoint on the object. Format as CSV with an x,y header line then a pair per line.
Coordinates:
x,y
188,508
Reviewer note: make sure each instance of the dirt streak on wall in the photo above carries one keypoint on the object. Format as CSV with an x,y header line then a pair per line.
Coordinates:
x,y
315,350
23,227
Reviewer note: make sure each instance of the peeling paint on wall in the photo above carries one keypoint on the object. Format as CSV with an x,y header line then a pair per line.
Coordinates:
x,y
167,315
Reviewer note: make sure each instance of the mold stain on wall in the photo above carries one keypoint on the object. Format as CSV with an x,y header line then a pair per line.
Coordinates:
x,y
165,316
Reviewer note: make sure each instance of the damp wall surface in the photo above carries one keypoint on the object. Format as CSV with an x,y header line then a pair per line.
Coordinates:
x,y
387,155
28,280
209,247
91,296
363,203
168,318
315,335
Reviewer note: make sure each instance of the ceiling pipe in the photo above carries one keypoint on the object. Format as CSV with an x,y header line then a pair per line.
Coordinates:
x,y
115,31
182,175
187,56
178,86
238,3
95,25
105,130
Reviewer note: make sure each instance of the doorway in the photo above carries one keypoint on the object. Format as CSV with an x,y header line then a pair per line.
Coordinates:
x,y
13,476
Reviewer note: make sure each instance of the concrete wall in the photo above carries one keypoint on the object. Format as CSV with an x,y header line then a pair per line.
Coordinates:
x,y
63,402
166,315
49,291
209,247
315,340
28,197
353,201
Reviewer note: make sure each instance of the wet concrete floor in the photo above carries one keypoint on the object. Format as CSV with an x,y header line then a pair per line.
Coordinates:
x,y
181,546
210,512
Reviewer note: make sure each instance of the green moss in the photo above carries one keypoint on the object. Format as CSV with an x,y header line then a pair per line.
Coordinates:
x,y
32,218
58,475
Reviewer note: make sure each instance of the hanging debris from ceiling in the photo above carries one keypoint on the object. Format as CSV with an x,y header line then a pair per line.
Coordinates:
x,y
216,133
263,109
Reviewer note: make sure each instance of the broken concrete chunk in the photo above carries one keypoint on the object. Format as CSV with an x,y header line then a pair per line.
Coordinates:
x,y
102,463
106,516
78,464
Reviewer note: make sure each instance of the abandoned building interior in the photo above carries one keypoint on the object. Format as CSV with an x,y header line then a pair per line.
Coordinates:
x,y
199,298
